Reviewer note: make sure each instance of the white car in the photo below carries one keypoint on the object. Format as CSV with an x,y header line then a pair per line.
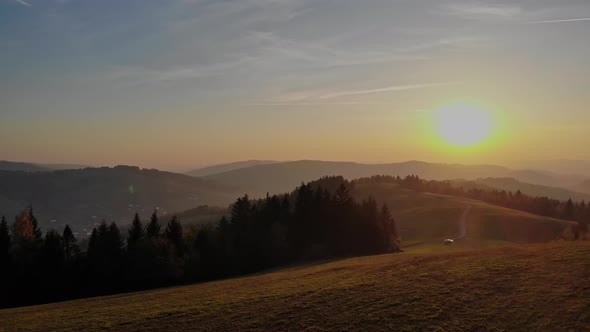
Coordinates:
x,y
449,241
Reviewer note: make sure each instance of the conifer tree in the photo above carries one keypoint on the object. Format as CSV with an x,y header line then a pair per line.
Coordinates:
x,y
113,241
136,232
153,228
71,249
569,210
391,238
53,249
173,234
5,241
35,223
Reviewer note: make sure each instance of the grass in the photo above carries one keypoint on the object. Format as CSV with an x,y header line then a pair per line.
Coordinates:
x,y
433,217
543,287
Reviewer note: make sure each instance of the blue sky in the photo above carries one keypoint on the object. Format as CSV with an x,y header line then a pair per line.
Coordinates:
x,y
179,83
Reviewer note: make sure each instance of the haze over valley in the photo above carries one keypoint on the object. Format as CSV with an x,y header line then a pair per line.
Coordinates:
x,y
294,165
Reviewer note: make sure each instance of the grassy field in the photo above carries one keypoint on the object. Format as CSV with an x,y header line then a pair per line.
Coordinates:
x,y
543,287
432,217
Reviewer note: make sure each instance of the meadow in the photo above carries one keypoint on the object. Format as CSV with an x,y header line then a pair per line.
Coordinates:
x,y
540,287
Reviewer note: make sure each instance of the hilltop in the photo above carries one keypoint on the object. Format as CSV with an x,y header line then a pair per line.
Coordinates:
x,y
540,287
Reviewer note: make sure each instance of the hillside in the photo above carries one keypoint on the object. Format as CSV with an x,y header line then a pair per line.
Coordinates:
x,y
510,184
85,197
32,167
540,287
282,177
432,217
564,166
23,167
583,187
221,168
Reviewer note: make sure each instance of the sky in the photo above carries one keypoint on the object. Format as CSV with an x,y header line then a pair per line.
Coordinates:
x,y
178,84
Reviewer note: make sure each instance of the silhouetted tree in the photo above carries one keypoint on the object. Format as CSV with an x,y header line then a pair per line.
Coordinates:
x,y
136,232
71,248
5,243
53,251
153,228
569,210
173,234
390,235
35,223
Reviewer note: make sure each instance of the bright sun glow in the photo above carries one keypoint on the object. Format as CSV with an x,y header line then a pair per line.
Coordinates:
x,y
463,124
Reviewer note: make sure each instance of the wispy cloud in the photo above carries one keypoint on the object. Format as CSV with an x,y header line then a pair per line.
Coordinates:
x,y
483,11
24,3
392,88
567,20
331,97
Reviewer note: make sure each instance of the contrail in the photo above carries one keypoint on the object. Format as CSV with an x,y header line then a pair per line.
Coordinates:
x,y
562,21
462,223
24,3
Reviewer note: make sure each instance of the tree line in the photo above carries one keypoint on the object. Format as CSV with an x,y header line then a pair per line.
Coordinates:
x,y
544,206
317,220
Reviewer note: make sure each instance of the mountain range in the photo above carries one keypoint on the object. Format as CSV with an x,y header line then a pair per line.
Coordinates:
x,y
280,177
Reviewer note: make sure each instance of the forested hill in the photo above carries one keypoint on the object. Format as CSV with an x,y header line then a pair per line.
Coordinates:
x,y
281,177
84,197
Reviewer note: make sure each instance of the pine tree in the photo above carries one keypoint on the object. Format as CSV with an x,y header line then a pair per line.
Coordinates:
x,y
173,234
5,241
71,249
391,238
53,250
342,195
35,223
93,245
569,210
153,228
113,240
136,232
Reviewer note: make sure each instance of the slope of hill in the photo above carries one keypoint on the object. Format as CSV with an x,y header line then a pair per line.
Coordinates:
x,y
216,169
282,177
564,166
32,167
432,217
84,197
510,184
61,167
583,187
540,288
24,167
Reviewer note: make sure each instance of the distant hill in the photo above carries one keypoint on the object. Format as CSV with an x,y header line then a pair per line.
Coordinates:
x,y
563,166
216,169
517,288
510,184
32,167
60,167
24,167
282,177
84,197
583,187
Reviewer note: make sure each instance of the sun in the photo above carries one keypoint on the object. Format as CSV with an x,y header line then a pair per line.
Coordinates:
x,y
463,124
